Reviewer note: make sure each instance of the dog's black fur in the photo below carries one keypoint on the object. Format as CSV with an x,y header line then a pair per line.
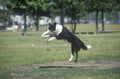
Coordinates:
x,y
76,43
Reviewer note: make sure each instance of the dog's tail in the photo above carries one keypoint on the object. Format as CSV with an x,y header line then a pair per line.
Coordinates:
x,y
89,46
86,47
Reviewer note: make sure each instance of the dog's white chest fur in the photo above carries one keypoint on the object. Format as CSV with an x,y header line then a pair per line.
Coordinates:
x,y
58,29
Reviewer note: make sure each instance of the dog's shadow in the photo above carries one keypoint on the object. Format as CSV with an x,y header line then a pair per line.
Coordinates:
x,y
56,67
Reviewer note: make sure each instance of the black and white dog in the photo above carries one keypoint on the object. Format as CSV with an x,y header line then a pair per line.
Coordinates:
x,y
60,32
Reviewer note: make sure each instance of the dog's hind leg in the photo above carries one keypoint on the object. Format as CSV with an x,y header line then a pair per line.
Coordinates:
x,y
73,51
76,58
71,58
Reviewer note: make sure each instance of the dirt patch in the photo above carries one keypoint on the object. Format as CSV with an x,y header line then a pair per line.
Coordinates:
x,y
102,65
88,65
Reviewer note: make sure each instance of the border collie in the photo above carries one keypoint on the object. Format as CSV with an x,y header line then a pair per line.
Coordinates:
x,y
60,32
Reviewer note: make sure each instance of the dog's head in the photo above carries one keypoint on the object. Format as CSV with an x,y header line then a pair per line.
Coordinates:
x,y
54,28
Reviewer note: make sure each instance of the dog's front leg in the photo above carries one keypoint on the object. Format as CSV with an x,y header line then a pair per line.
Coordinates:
x,y
45,34
52,38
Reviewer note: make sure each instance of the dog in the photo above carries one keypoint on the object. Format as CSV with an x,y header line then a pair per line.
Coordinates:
x,y
60,32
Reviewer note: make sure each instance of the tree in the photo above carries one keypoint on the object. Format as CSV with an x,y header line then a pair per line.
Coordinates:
x,y
116,4
18,6
101,6
93,5
27,7
53,10
115,10
36,7
72,9
105,6
4,13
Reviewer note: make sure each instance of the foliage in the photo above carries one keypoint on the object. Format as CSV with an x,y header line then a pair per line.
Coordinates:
x,y
93,5
4,13
98,5
73,8
116,5
4,16
31,7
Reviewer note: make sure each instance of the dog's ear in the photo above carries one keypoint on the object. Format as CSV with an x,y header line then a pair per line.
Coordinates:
x,y
51,27
50,24
54,23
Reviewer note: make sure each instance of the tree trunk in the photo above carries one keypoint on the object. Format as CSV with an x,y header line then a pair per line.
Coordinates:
x,y
96,21
37,23
25,26
62,15
102,30
73,27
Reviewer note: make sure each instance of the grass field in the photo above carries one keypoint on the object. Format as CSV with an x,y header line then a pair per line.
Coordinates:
x,y
22,57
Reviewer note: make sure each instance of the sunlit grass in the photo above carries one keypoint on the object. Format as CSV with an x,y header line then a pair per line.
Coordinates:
x,y
17,51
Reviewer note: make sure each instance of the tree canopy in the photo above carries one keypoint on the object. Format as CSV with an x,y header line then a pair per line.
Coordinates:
x,y
31,7
72,8
101,6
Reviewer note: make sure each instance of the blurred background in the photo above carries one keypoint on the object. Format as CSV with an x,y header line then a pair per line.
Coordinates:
x,y
28,13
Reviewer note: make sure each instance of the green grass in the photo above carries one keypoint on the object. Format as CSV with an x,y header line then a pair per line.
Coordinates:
x,y
16,51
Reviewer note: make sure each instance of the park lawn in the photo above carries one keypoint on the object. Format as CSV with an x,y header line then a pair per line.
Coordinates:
x,y
25,51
